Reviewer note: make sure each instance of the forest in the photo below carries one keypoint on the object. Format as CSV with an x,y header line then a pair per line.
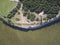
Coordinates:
x,y
50,7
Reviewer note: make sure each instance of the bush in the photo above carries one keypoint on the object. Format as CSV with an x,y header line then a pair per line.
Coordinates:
x,y
37,19
25,14
51,16
17,19
31,17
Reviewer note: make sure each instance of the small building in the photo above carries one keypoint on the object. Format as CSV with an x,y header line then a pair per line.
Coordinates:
x,y
43,17
41,13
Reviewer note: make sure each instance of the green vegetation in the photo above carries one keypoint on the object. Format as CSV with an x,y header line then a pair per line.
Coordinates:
x,y
6,6
48,6
31,17
49,16
37,19
26,13
17,19
14,11
46,36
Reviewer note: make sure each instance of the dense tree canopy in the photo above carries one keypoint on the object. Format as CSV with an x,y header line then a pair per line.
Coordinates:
x,y
48,6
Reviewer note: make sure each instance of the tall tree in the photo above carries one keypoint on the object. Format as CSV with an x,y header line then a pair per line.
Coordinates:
x,y
48,6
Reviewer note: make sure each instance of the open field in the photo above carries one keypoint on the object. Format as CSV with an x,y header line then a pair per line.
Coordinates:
x,y
46,36
6,6
9,36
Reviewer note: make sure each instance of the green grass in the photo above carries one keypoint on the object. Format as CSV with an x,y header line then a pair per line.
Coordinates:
x,y
6,6
46,36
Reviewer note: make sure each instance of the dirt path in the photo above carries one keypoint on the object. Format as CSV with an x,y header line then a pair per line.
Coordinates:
x,y
22,18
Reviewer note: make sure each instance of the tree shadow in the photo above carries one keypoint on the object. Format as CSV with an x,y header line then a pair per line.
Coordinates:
x,y
57,20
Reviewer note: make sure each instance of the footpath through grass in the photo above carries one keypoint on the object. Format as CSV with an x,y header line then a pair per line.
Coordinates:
x,y
46,36
6,6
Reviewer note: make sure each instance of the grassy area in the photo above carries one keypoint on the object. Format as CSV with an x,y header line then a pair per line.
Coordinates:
x,y
46,36
9,36
6,6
